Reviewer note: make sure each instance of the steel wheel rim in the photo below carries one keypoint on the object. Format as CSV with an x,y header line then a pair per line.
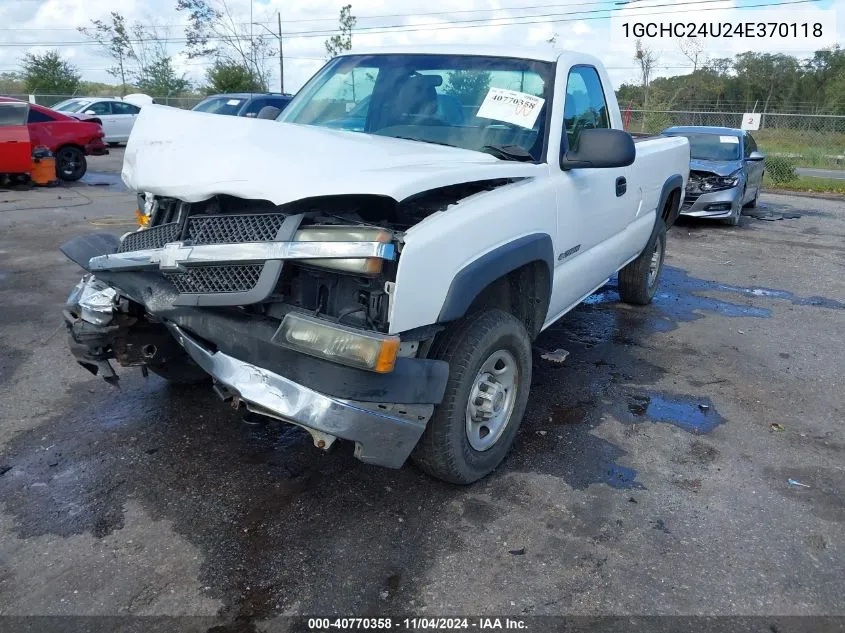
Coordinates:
x,y
656,261
491,400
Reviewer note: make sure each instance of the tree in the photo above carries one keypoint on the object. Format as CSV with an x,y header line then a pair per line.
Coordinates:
x,y
647,60
226,77
693,49
160,79
469,86
212,31
48,73
11,83
114,39
341,42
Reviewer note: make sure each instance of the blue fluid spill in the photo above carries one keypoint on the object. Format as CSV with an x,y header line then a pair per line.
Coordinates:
x,y
696,416
622,478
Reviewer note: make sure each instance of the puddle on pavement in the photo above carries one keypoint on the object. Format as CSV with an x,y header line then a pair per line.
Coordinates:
x,y
103,179
694,415
622,478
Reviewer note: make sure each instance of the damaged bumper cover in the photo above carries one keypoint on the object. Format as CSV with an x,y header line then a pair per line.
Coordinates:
x,y
383,434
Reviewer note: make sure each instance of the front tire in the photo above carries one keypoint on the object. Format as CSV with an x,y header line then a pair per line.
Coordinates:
x,y
70,163
638,281
474,427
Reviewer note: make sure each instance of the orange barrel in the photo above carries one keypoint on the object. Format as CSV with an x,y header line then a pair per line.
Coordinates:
x,y
43,167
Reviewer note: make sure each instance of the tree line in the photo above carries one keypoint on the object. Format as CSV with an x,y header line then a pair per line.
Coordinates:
x,y
765,81
142,59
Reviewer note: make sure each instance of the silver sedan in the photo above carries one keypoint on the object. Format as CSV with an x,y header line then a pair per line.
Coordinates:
x,y
726,172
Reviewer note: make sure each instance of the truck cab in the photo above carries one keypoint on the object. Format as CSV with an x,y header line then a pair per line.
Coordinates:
x,y
382,280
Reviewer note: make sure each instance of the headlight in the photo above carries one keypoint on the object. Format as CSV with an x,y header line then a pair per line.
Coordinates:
x,y
366,350
366,266
718,183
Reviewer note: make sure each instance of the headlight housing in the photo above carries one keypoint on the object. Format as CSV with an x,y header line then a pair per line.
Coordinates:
x,y
365,266
347,346
706,184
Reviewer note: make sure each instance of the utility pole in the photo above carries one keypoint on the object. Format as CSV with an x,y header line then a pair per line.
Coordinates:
x,y
281,57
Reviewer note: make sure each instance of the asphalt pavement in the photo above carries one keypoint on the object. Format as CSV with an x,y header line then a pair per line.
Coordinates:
x,y
836,174
651,474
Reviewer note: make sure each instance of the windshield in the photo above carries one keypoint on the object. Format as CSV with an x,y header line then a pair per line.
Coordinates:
x,y
221,105
712,146
471,102
71,105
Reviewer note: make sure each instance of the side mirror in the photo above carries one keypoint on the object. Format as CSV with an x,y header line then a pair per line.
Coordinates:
x,y
268,112
89,112
756,156
600,148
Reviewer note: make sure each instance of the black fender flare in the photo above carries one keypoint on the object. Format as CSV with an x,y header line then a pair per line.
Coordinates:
x,y
675,181
480,273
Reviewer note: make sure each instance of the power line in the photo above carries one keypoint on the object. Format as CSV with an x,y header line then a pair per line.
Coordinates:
x,y
462,24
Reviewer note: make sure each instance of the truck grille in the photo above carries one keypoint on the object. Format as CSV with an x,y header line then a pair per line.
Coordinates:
x,y
216,279
234,229
155,237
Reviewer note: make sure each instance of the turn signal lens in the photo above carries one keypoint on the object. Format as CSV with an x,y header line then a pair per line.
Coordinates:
x,y
142,218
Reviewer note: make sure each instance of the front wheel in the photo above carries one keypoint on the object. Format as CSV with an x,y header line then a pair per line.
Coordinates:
x,y
70,163
489,356
638,281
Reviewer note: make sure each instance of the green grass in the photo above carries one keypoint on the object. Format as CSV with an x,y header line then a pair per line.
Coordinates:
x,y
809,184
813,149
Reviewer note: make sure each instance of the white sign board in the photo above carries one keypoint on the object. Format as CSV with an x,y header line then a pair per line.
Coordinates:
x,y
751,121
511,106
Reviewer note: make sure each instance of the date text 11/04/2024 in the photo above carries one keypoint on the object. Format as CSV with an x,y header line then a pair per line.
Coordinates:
x,y
724,29
319,625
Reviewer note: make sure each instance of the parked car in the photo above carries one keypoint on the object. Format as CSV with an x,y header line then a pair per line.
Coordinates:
x,y
15,146
726,172
70,139
242,104
385,285
116,116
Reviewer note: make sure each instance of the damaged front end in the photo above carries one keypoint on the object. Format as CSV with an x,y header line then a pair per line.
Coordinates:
x,y
285,308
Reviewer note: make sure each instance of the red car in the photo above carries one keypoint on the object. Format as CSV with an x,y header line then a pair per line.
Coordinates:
x,y
71,140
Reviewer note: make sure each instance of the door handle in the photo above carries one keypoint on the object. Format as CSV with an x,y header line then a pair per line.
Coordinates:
x,y
621,186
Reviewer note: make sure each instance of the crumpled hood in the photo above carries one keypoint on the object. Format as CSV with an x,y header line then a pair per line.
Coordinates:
x,y
718,167
193,156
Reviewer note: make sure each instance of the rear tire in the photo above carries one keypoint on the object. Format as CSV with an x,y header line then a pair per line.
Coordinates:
x,y
638,281
180,370
489,356
70,163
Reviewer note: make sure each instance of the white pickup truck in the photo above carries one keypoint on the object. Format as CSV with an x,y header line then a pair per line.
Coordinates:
x,y
375,264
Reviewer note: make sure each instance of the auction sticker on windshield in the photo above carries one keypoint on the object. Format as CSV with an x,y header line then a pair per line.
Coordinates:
x,y
511,106
731,140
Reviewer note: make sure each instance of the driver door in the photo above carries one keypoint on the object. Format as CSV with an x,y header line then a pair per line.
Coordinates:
x,y
594,206
15,146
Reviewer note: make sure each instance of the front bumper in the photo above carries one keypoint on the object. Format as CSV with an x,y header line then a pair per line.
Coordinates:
x,y
384,435
715,204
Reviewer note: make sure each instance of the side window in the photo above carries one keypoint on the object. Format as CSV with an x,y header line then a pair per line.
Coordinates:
x,y
752,145
585,106
35,116
99,107
124,108
254,107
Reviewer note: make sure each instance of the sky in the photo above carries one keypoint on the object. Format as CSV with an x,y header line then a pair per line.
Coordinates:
x,y
583,25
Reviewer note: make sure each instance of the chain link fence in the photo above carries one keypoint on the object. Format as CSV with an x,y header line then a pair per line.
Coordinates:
x,y
812,140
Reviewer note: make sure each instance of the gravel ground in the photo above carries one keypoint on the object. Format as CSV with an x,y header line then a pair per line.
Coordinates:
x,y
650,475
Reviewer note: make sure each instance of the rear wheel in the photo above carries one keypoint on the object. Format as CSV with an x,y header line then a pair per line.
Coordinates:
x,y
70,163
638,281
489,356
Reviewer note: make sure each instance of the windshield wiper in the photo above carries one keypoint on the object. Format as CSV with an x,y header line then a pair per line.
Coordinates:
x,y
508,152
422,140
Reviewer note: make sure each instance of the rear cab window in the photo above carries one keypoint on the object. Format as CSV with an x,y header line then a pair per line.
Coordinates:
x,y
36,116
